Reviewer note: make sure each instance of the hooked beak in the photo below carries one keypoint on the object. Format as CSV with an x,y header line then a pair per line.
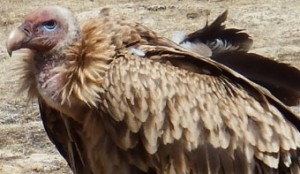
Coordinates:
x,y
18,38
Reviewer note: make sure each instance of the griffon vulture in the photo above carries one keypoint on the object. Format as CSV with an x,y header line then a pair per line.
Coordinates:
x,y
115,97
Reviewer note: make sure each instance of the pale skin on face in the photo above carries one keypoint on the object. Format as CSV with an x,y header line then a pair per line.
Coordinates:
x,y
43,30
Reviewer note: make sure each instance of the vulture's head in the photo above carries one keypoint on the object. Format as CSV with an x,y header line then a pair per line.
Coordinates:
x,y
60,62
44,29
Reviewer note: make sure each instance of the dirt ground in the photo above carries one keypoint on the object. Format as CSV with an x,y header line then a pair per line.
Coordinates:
x,y
24,147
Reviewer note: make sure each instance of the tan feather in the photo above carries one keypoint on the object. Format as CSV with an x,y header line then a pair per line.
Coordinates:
x,y
157,108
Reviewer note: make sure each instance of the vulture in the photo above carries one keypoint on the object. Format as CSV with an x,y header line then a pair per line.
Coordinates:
x,y
115,97
230,47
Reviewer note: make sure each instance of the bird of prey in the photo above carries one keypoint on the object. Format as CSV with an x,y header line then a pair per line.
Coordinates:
x,y
230,47
115,97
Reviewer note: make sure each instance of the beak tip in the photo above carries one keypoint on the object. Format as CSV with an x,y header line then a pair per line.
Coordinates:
x,y
9,51
15,41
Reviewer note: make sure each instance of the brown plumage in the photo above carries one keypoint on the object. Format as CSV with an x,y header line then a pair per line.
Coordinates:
x,y
230,47
117,98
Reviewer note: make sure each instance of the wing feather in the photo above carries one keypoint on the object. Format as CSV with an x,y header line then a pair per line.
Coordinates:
x,y
60,130
149,106
218,38
229,46
266,72
200,118
190,104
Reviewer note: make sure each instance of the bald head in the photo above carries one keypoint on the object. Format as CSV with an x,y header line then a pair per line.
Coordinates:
x,y
44,29
48,13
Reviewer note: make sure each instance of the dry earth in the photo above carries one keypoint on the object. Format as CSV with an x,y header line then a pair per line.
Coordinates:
x,y
24,147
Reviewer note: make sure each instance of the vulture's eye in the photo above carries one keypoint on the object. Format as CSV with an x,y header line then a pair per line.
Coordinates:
x,y
50,25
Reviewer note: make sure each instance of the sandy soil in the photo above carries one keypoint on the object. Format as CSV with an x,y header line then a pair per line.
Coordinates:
x,y
24,147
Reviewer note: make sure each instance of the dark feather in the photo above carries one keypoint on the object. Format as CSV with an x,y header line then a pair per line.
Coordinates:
x,y
231,38
281,79
60,130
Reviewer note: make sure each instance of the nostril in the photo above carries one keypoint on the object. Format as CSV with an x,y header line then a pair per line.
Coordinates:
x,y
26,28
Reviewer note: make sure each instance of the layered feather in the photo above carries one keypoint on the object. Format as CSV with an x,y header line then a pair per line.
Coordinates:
x,y
130,101
218,38
229,46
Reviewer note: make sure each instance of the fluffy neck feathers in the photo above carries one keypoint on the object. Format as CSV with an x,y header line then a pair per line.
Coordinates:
x,y
71,75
